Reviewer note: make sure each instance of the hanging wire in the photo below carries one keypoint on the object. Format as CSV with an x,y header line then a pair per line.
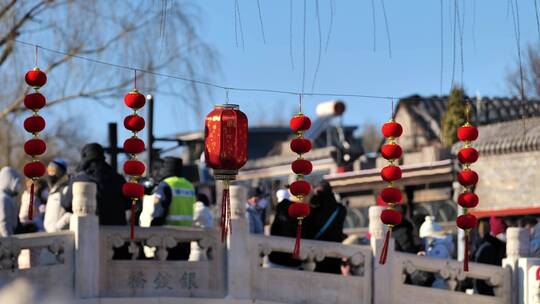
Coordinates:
x,y
454,42
37,47
226,95
320,45
135,79
331,24
537,19
300,97
442,49
374,25
304,48
291,33
261,21
368,97
387,27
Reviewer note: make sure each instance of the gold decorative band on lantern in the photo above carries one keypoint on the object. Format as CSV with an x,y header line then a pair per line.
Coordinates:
x,y
228,106
228,175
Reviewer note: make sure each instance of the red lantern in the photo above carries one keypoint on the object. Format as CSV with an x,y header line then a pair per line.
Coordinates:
x,y
34,124
34,147
391,151
134,123
35,78
133,146
467,132
301,167
468,200
468,155
134,100
297,210
391,217
391,129
225,151
34,169
391,173
301,145
133,190
467,178
134,167
390,195
34,101
300,123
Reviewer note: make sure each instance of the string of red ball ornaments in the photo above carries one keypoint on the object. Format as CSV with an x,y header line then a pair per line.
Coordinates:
x,y
133,146
391,195
301,167
34,124
468,178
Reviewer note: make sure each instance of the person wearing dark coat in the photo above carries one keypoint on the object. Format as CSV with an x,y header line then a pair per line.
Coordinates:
x,y
325,223
491,250
111,203
283,225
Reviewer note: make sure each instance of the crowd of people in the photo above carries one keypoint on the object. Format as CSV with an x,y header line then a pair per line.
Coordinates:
x,y
174,201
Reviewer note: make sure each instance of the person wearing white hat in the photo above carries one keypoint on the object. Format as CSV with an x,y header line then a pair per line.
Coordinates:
x,y
436,244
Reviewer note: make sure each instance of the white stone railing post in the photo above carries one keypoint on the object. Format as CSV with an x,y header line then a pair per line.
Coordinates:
x,y
239,257
382,274
517,246
85,225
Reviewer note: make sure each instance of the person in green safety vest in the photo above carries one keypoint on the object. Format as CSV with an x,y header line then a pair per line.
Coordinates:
x,y
175,200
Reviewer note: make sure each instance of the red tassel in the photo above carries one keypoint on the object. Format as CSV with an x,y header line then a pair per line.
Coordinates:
x,y
132,220
225,214
296,250
31,205
466,253
384,250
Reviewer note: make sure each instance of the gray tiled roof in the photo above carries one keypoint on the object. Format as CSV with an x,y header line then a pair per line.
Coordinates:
x,y
428,111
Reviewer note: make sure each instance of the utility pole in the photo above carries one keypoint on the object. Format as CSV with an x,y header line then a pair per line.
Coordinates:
x,y
113,145
150,136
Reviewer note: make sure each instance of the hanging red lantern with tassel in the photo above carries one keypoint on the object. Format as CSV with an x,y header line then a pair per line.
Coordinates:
x,y
301,167
133,167
391,195
468,178
34,124
225,151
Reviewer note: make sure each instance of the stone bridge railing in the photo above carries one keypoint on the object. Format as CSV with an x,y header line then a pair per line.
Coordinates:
x,y
91,262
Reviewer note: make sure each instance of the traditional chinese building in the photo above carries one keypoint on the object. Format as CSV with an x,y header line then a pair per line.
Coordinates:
x,y
509,149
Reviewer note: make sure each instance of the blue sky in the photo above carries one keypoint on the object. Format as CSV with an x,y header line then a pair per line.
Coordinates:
x,y
349,65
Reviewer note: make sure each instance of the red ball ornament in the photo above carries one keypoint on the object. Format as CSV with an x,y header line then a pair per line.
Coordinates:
x,y
468,200
391,151
34,101
134,145
302,167
300,145
134,100
467,177
467,133
391,195
392,129
300,123
35,78
300,188
134,123
298,210
134,167
133,190
391,217
34,147
34,124
466,221
34,169
391,173
467,155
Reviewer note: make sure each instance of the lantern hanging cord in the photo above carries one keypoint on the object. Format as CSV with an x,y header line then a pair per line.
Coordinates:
x,y
208,83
